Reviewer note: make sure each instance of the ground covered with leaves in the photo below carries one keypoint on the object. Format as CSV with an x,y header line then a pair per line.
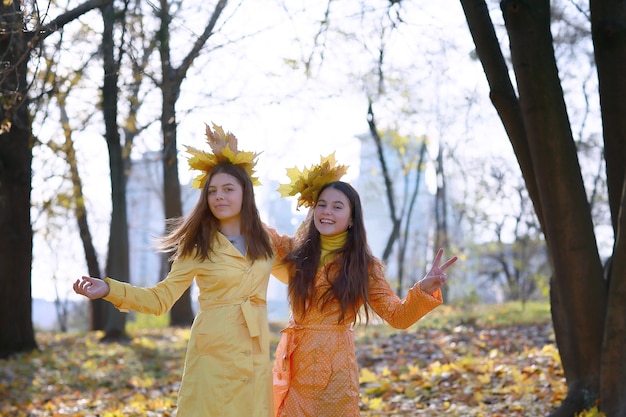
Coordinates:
x,y
462,371
466,369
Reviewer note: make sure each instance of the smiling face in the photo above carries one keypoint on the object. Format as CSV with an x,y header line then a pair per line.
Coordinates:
x,y
333,213
225,197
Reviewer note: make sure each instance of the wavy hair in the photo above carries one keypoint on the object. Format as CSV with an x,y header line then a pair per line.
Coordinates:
x,y
348,274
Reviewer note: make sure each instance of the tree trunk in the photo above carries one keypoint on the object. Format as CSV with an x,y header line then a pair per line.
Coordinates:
x,y
502,93
395,221
16,236
181,313
540,133
407,224
578,278
608,25
613,384
118,265
441,216
608,28
172,79
91,257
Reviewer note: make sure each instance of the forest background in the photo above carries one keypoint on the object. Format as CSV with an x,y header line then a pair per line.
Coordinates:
x,y
124,78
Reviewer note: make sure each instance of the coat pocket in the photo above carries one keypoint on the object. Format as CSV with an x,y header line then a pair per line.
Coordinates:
x,y
209,335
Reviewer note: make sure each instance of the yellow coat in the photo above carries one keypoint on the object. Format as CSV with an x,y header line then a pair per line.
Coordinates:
x,y
227,369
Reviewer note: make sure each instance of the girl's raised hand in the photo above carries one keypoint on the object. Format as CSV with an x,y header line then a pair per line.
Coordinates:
x,y
437,276
91,288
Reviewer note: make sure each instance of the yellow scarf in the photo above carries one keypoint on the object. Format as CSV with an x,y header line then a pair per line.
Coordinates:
x,y
329,244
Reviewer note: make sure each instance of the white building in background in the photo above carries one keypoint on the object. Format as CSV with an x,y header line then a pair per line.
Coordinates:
x,y
376,211
146,214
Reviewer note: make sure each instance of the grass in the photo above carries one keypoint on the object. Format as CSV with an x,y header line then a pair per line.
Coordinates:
x,y
448,316
445,316
506,314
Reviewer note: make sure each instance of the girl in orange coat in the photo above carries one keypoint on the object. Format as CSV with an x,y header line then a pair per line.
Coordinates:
x,y
332,275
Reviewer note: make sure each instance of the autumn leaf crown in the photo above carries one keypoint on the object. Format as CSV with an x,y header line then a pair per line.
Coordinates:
x,y
310,181
224,147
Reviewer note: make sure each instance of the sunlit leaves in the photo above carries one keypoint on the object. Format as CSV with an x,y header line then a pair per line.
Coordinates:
x,y
224,150
308,181
465,371
79,376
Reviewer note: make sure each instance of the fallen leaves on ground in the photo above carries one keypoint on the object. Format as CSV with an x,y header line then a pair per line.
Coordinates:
x,y
76,375
462,371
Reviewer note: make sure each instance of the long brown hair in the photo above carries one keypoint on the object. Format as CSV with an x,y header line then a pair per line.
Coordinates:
x,y
193,235
350,268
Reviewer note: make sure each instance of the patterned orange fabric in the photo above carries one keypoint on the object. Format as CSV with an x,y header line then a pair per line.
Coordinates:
x,y
315,371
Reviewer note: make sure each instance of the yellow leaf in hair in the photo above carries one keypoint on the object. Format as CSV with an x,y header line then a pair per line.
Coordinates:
x,y
199,181
224,147
309,181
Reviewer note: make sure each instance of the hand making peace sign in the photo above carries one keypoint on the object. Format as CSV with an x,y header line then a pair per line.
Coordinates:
x,y
437,276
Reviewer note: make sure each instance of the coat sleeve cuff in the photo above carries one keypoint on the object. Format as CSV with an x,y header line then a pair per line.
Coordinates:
x,y
117,294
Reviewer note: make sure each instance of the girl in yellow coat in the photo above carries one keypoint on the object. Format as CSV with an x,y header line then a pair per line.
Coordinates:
x,y
223,245
333,274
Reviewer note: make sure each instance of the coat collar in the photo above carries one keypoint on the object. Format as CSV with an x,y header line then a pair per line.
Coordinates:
x,y
225,247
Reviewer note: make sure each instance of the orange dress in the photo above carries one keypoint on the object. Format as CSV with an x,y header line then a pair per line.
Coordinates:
x,y
315,371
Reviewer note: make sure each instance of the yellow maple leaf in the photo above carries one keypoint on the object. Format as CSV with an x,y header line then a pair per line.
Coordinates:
x,y
224,147
367,376
593,412
376,404
483,379
308,181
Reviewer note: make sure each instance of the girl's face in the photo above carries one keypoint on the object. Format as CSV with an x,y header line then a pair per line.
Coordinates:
x,y
332,213
225,197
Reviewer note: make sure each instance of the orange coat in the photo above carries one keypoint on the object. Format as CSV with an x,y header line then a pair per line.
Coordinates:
x,y
315,371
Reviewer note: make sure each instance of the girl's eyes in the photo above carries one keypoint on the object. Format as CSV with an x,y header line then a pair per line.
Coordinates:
x,y
213,191
335,207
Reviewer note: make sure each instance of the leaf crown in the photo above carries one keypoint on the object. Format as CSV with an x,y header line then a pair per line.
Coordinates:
x,y
310,181
224,147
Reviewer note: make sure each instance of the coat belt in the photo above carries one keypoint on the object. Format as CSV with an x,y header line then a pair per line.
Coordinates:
x,y
323,327
247,304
